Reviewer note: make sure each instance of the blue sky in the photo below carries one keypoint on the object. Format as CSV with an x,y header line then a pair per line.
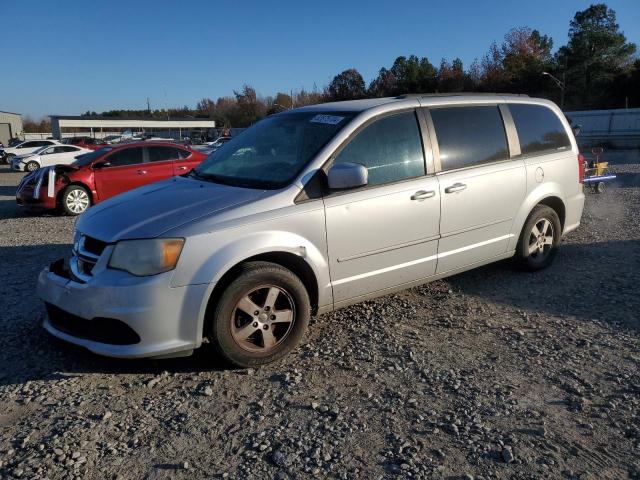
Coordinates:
x,y
68,57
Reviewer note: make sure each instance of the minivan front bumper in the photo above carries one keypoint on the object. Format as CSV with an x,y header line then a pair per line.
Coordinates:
x,y
118,315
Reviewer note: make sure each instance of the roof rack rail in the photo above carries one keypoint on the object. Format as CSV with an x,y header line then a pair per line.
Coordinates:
x,y
453,94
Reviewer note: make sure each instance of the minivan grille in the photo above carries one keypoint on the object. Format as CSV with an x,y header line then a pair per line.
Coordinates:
x,y
93,245
86,253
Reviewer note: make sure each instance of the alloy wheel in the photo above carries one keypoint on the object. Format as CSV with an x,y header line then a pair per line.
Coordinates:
x,y
263,318
541,240
77,200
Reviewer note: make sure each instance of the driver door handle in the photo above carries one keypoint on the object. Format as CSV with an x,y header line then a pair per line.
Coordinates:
x,y
182,168
456,187
142,172
422,194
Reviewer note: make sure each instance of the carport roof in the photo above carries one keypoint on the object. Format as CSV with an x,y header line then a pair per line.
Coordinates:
x,y
127,119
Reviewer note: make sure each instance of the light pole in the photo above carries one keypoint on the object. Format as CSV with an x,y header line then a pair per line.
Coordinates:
x,y
560,84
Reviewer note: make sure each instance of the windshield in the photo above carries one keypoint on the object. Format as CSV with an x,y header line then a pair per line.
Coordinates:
x,y
272,152
39,150
87,158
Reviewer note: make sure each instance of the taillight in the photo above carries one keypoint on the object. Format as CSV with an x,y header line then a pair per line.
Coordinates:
x,y
581,163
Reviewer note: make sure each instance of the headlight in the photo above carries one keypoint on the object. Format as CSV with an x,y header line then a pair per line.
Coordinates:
x,y
146,257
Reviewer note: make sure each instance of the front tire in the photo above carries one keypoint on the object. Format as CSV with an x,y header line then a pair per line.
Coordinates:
x,y
261,316
75,200
540,239
32,166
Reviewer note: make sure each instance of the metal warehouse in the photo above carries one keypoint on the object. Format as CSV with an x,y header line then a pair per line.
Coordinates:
x,y
10,126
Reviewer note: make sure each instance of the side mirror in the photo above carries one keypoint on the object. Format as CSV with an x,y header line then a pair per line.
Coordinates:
x,y
100,165
347,175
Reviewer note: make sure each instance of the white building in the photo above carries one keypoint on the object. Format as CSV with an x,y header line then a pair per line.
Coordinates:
x,y
96,126
10,126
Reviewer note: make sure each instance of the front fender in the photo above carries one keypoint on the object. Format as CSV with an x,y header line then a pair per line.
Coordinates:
x,y
208,257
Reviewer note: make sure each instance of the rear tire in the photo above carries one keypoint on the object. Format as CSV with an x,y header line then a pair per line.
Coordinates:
x,y
539,240
261,316
75,200
600,187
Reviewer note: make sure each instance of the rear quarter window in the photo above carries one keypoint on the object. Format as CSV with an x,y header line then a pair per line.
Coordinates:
x,y
469,136
539,129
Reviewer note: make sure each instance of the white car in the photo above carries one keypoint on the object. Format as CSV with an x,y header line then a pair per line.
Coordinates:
x,y
46,156
25,148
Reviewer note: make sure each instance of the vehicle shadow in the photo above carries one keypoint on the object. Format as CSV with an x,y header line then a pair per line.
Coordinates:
x,y
575,285
626,180
593,282
7,191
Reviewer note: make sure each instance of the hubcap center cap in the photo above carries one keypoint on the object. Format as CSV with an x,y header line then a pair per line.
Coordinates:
x,y
263,317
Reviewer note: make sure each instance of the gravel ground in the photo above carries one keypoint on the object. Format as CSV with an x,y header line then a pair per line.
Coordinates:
x,y
490,374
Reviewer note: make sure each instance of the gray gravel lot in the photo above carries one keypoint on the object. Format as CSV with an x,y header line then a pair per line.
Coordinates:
x,y
490,374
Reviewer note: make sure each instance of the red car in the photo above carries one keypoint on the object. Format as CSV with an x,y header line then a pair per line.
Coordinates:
x,y
99,175
86,142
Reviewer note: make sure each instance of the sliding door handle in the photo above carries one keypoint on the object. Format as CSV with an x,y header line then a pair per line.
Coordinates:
x,y
422,194
456,187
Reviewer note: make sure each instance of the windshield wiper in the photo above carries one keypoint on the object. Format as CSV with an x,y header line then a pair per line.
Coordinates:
x,y
210,177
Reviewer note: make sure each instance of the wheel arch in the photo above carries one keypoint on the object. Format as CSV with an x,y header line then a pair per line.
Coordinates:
x,y
70,184
548,195
557,205
295,263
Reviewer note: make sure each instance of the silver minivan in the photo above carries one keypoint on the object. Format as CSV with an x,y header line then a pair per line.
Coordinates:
x,y
311,210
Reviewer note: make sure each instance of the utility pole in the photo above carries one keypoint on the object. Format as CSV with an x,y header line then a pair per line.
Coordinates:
x,y
564,77
560,85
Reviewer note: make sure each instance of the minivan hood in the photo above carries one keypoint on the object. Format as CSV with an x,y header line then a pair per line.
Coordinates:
x,y
150,211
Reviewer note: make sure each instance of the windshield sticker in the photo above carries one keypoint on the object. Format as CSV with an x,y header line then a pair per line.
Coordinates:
x,y
328,119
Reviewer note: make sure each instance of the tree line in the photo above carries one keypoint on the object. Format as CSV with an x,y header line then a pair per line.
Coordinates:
x,y
597,68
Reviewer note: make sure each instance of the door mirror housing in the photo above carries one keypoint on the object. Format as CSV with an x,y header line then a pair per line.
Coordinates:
x,y
343,176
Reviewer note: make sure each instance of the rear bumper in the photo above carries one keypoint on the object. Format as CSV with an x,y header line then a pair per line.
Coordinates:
x,y
574,207
118,315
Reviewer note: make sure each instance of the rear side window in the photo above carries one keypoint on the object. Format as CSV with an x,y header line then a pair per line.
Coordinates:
x,y
469,136
390,148
127,156
539,129
183,153
161,154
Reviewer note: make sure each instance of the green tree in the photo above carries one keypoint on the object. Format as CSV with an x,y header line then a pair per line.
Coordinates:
x,y
249,108
385,84
451,76
596,53
347,85
280,103
525,55
492,74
